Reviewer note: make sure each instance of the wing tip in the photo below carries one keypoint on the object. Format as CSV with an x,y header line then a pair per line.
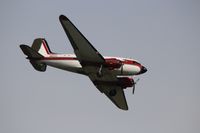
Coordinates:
x,y
63,17
125,108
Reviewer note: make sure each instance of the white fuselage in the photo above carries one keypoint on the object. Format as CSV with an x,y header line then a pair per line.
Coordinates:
x,y
70,63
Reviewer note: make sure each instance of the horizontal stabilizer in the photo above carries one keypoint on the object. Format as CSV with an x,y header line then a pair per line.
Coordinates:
x,y
30,52
33,56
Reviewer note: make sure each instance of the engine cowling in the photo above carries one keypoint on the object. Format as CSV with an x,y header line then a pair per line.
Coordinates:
x,y
113,63
125,82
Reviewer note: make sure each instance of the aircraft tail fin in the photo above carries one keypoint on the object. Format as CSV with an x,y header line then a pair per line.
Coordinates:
x,y
41,46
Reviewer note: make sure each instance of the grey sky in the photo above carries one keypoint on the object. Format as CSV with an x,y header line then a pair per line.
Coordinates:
x,y
163,35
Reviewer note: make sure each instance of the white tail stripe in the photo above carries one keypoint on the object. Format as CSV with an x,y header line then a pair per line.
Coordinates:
x,y
44,50
45,46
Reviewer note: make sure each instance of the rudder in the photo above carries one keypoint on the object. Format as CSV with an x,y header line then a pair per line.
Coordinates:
x,y
40,45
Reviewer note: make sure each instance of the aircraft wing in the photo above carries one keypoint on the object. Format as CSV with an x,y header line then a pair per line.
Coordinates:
x,y
91,60
118,99
83,49
107,84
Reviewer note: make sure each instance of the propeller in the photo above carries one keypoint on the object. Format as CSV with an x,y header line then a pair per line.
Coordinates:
x,y
135,82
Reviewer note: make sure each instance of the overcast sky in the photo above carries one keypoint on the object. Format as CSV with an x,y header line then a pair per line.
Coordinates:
x,y
163,35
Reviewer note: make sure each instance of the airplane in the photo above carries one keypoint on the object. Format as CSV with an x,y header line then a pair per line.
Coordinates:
x,y
110,75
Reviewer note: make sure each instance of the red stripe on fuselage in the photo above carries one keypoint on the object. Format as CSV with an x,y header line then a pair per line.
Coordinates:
x,y
127,62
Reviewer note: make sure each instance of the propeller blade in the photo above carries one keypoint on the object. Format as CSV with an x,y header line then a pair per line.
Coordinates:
x,y
135,82
133,89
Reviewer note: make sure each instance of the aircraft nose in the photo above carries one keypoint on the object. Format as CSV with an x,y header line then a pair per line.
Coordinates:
x,y
143,70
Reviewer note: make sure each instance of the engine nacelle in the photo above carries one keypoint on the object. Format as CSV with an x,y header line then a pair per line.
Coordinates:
x,y
113,64
125,82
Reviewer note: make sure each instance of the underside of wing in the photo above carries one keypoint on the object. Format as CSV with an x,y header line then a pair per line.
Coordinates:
x,y
107,84
83,49
115,94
